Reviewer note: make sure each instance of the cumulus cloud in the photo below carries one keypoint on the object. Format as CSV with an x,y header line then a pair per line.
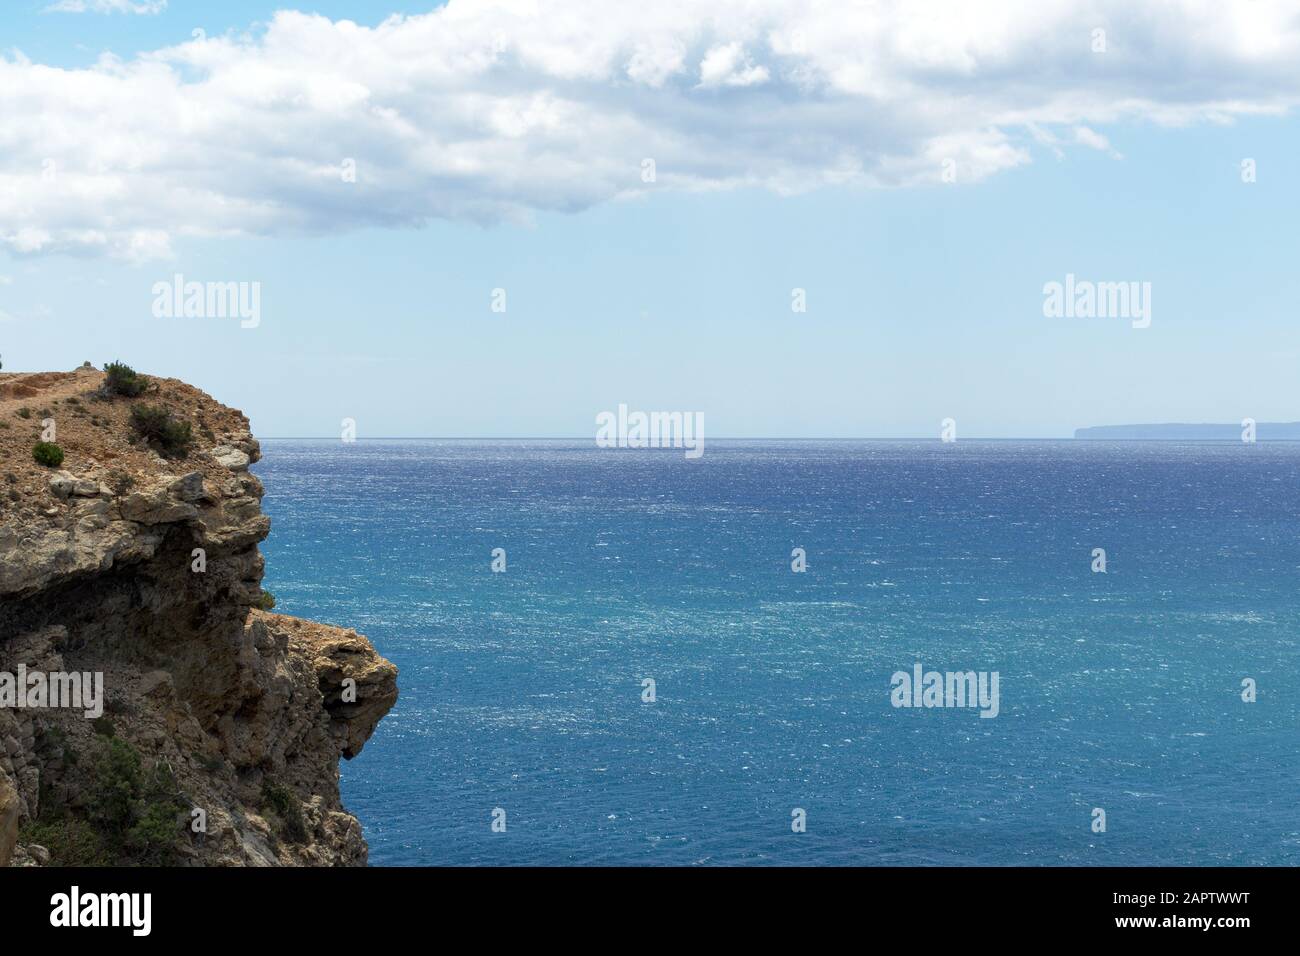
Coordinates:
x,y
497,109
107,6
1094,140
728,65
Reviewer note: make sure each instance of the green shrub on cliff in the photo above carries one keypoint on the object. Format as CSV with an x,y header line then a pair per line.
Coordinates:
x,y
116,786
156,425
286,812
152,837
131,817
266,600
121,379
48,454
71,842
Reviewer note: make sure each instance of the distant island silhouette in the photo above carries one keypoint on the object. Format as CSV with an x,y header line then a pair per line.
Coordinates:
x,y
1182,431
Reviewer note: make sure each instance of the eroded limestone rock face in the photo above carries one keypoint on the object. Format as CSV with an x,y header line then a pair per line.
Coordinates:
x,y
146,569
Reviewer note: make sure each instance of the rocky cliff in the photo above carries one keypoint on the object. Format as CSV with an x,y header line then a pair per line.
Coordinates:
x,y
136,558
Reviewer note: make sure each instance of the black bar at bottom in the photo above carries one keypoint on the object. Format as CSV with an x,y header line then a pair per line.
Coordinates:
x,y
382,906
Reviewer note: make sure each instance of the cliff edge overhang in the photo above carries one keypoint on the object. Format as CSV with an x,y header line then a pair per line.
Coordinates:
x,y
140,563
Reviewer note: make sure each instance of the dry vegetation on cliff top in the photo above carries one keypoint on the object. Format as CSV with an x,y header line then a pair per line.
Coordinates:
x,y
211,705
95,432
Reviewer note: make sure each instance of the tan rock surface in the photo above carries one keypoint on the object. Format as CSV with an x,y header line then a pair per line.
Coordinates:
x,y
248,711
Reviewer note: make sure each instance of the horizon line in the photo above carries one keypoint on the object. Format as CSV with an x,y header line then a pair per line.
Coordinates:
x,y
909,438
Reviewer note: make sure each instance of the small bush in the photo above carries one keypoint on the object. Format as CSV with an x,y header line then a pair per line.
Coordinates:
x,y
48,454
120,481
156,425
283,804
24,412
116,787
121,379
50,740
266,601
151,841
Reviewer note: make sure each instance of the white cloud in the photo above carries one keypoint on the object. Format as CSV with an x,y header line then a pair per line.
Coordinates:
x,y
107,6
1094,140
727,65
496,109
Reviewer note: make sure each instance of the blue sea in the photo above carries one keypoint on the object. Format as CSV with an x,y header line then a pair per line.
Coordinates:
x,y
522,690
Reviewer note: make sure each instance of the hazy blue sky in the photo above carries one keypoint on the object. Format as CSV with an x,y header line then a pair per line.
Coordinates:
x,y
925,299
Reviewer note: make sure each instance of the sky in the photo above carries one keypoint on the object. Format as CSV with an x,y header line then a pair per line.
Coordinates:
x,y
920,171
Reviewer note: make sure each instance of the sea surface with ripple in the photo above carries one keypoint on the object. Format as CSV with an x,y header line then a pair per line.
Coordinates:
x,y
523,690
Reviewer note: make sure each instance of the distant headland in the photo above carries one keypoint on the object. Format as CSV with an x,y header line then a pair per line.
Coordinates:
x,y
1178,431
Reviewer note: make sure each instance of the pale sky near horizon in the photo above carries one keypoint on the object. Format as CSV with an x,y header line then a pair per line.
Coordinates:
x,y
500,146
